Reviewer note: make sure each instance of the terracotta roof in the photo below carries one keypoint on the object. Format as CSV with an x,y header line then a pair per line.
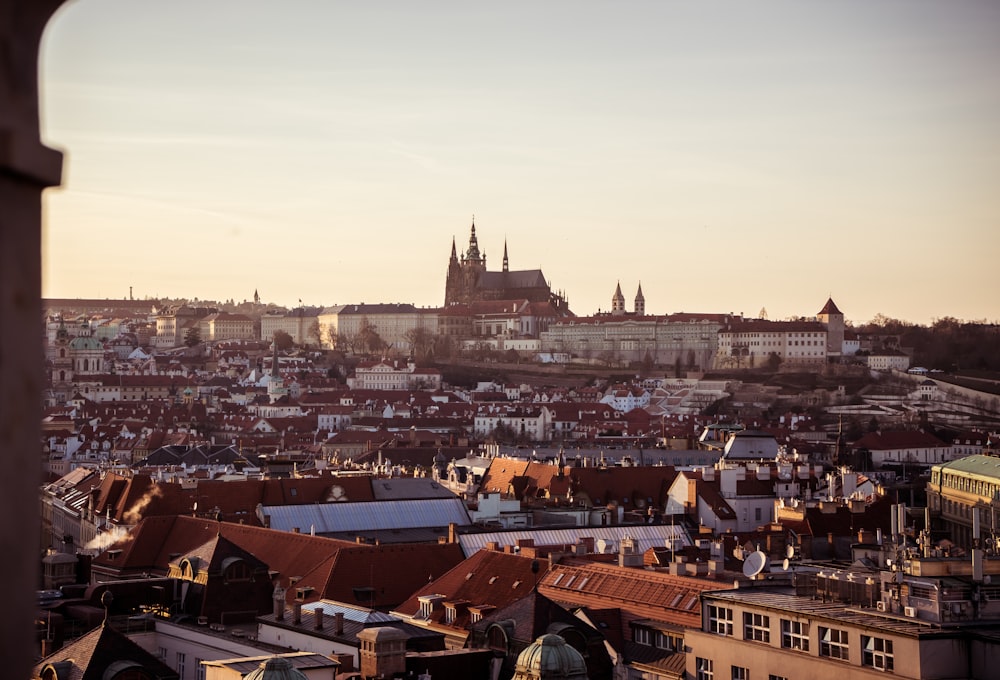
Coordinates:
x,y
639,593
902,439
331,567
488,577
90,656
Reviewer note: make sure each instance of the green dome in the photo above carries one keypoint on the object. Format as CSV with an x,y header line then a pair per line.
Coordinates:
x,y
550,657
275,668
86,342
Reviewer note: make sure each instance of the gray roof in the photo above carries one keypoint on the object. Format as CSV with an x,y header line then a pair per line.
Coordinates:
x,y
381,308
327,518
408,488
646,536
528,278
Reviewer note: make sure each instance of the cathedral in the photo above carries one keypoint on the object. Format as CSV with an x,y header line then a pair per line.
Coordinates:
x,y
469,280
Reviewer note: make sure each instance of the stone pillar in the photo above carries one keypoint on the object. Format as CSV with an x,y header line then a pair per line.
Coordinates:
x,y
26,169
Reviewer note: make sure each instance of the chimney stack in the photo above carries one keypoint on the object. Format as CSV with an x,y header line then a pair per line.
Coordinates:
x,y
297,613
338,623
318,613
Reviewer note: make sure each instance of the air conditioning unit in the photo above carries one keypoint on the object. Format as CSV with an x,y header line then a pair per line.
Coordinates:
x,y
880,605
910,611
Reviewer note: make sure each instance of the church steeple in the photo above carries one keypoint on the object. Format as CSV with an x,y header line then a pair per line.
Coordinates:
x,y
473,253
454,252
618,301
640,302
275,373
506,266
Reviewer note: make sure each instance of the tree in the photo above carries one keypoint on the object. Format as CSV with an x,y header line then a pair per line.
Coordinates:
x,y
283,340
192,336
421,342
315,332
773,361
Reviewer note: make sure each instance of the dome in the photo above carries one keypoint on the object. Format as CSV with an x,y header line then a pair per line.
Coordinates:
x,y
275,668
86,342
550,657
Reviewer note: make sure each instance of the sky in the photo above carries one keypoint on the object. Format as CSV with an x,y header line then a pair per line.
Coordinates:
x,y
729,156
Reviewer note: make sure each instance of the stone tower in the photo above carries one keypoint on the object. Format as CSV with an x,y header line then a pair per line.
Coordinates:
x,y
833,319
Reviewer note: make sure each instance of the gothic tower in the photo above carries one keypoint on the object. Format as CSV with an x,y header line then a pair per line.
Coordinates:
x,y
640,302
463,274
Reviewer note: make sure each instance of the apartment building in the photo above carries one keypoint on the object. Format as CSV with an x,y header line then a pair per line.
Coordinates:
x,y
763,632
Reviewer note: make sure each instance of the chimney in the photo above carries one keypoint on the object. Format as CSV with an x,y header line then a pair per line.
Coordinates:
x,y
318,613
297,613
338,623
451,532
279,603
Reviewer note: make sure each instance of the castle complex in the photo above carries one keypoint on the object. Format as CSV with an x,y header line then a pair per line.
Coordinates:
x,y
469,281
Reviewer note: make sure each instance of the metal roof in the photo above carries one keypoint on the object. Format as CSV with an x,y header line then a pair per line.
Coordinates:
x,y
358,614
326,518
402,488
645,536
976,464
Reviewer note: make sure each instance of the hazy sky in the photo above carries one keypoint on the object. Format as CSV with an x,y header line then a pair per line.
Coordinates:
x,y
731,156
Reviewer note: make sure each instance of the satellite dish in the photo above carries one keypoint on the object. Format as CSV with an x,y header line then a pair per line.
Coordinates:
x,y
784,564
602,545
790,552
754,564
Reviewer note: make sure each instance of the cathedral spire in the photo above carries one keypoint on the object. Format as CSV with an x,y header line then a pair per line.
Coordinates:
x,y
506,266
454,251
640,302
473,252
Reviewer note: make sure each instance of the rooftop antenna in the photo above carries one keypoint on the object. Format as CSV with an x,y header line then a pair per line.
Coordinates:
x,y
754,564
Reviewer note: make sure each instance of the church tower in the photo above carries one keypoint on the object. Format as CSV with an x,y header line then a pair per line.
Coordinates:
x,y
618,302
276,384
640,302
506,263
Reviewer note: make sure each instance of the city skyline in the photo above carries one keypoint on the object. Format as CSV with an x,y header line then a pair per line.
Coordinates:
x,y
757,157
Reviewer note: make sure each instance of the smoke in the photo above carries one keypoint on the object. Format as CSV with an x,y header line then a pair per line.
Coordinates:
x,y
134,514
106,539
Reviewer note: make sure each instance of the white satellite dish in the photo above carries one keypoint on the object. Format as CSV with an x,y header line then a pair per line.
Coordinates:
x,y
602,545
790,552
754,564
784,564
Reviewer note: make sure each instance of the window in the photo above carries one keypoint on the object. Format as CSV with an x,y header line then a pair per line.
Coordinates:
x,y
704,669
772,676
756,627
180,663
199,669
876,652
740,673
642,636
670,642
449,615
238,572
833,643
720,620
161,653
795,635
